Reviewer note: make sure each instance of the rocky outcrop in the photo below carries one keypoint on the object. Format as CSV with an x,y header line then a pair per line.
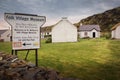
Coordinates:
x,y
13,68
106,20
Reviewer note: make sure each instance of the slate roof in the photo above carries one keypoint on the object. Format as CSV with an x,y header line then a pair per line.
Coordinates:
x,y
89,27
2,31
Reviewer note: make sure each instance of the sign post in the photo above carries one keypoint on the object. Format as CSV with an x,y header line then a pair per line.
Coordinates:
x,y
25,31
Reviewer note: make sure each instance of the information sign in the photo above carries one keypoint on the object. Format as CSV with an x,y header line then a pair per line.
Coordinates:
x,y
25,30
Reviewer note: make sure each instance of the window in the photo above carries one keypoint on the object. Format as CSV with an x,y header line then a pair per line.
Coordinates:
x,y
8,35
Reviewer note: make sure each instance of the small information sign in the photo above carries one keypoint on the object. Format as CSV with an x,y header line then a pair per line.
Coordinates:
x,y
25,30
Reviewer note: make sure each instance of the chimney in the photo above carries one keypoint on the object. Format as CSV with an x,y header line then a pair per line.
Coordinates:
x,y
81,24
64,18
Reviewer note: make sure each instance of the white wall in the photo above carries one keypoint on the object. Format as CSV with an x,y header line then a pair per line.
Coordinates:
x,y
113,34
117,32
89,34
6,35
97,33
64,31
82,34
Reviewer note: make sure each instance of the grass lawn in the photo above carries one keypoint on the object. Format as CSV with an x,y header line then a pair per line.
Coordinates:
x,y
94,59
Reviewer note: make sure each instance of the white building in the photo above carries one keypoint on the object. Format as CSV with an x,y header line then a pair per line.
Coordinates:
x,y
116,31
46,32
91,31
64,31
5,35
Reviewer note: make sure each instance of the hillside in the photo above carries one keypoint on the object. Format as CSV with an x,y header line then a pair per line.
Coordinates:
x,y
106,19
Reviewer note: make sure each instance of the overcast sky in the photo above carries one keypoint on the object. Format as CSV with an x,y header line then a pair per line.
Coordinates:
x,y
75,10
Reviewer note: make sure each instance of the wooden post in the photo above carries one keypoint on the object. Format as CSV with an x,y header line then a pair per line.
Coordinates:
x,y
12,52
36,57
15,52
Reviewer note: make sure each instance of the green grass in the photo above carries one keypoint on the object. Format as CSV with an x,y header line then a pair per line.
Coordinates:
x,y
94,59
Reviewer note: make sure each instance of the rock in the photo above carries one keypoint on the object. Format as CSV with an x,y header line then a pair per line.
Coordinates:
x,y
69,79
13,68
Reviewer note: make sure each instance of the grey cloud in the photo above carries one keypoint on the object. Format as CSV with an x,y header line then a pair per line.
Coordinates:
x,y
58,8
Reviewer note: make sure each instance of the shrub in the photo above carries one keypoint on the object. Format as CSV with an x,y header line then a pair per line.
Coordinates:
x,y
48,40
106,35
47,36
113,38
86,38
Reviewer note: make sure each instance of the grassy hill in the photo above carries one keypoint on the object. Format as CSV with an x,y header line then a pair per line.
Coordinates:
x,y
106,20
94,59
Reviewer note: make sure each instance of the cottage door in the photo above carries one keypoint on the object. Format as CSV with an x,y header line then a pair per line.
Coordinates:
x,y
94,35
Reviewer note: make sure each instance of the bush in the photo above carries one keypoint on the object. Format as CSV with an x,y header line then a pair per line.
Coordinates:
x,y
113,38
106,35
49,40
47,36
86,38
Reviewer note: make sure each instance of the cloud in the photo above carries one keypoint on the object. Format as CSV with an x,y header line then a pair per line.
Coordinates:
x,y
55,9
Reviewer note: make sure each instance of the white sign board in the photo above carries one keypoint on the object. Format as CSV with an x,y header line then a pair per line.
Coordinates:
x,y
25,30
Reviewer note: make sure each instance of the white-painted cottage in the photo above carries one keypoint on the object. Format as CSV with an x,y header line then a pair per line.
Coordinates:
x,y
116,31
64,31
5,35
91,31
